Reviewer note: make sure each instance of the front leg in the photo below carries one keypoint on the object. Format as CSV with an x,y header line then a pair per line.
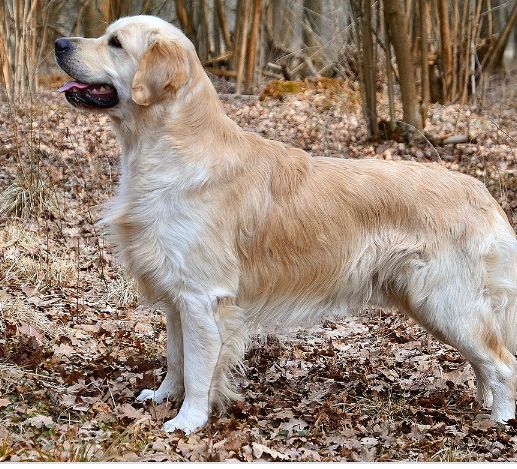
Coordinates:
x,y
201,345
214,338
172,384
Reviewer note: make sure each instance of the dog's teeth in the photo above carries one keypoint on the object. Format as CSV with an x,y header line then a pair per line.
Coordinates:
x,y
102,89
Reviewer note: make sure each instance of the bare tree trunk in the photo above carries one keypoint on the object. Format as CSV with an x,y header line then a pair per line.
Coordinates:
x,y
23,35
455,43
204,39
312,24
183,18
490,19
216,30
495,55
250,72
466,65
219,7
424,67
241,42
118,8
445,37
473,51
389,76
399,37
369,70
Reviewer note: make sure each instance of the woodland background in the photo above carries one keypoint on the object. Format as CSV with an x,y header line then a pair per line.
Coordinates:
x,y
426,80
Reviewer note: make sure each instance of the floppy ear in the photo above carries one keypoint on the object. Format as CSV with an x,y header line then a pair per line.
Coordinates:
x,y
162,70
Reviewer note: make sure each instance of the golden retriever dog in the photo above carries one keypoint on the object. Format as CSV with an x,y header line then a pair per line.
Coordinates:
x,y
232,233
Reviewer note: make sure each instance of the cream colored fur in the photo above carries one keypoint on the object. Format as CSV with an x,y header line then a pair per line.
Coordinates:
x,y
234,233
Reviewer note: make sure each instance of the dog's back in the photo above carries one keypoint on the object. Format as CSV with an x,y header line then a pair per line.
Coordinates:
x,y
349,231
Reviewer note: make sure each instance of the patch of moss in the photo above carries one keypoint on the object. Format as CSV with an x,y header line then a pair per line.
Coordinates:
x,y
278,89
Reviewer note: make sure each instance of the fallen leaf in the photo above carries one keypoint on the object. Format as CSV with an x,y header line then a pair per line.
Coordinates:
x,y
39,421
128,411
194,448
4,402
32,331
64,349
293,425
259,450
369,441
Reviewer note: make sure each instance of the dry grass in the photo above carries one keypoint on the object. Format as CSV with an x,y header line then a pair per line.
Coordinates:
x,y
25,197
14,311
26,261
122,291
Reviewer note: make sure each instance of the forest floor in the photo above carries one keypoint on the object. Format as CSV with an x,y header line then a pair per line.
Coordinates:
x,y
76,348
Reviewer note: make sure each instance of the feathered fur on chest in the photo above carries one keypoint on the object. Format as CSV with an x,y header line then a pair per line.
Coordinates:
x,y
170,241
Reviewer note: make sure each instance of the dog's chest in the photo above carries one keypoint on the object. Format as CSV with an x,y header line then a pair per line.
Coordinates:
x,y
159,238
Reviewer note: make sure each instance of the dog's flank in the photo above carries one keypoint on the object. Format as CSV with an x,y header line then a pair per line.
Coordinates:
x,y
234,233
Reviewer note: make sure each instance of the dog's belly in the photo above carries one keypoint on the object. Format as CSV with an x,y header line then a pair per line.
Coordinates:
x,y
288,288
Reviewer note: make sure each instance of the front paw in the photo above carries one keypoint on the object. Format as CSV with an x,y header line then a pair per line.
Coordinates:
x,y
186,422
152,395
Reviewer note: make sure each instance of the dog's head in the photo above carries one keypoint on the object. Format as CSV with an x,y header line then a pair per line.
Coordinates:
x,y
139,61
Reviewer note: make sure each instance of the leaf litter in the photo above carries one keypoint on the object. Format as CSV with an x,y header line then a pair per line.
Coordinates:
x,y
76,348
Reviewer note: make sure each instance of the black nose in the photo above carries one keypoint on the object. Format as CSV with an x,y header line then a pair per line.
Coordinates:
x,y
62,44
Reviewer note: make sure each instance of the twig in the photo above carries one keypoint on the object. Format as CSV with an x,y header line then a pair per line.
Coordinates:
x,y
221,58
221,72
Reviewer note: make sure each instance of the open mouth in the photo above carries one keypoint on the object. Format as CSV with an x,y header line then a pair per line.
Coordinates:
x,y
90,95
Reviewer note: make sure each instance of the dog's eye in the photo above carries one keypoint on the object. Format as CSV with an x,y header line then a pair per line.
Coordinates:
x,y
114,42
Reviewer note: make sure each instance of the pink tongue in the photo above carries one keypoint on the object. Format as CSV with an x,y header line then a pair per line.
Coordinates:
x,y
72,84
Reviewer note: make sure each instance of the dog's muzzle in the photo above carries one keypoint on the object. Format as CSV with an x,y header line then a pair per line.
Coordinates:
x,y
80,93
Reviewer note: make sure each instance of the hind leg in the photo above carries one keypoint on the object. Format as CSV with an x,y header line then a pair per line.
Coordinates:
x,y
502,381
497,371
484,394
466,322
495,368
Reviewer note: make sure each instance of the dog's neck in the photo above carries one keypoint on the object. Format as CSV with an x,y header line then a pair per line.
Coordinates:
x,y
193,130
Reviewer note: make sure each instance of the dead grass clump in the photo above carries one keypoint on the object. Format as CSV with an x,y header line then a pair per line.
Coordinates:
x,y
22,269
14,311
13,235
27,196
24,260
453,453
55,273
62,272
19,246
121,291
